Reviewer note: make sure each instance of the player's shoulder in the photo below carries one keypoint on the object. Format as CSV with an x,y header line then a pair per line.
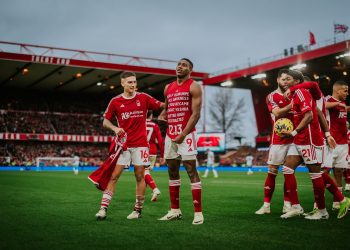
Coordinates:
x,y
116,98
329,98
302,94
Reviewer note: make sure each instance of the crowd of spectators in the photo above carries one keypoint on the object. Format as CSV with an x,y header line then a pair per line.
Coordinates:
x,y
25,153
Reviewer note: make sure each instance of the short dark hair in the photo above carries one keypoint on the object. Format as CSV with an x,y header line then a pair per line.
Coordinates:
x,y
127,74
340,83
307,78
282,71
188,60
297,75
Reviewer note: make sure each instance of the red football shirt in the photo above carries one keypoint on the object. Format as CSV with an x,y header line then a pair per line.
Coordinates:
x,y
131,114
276,100
311,134
337,118
179,107
155,138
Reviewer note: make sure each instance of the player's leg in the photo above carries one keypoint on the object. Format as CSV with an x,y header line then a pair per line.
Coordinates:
x,y
269,188
293,160
206,172
188,152
215,172
149,179
109,192
140,159
173,161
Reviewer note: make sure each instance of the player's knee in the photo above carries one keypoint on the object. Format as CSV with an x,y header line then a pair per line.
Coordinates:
x,y
139,177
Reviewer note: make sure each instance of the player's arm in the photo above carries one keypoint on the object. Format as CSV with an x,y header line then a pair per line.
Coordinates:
x,y
324,126
281,112
109,125
307,119
315,90
196,92
160,143
163,115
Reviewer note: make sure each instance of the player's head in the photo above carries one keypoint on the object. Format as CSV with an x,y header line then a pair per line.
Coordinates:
x,y
184,68
149,114
128,81
283,79
297,77
340,90
307,79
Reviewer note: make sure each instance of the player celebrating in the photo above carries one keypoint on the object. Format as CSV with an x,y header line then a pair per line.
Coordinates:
x,y
155,140
307,147
279,107
328,161
337,118
183,101
130,110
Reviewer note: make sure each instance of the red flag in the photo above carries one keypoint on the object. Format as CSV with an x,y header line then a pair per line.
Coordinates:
x,y
312,38
101,176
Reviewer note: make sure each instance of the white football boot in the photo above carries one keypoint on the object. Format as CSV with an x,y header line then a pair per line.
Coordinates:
x,y
101,214
265,209
318,215
134,215
155,194
294,211
198,218
173,214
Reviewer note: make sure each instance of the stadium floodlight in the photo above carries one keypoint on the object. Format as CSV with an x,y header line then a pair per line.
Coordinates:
x,y
343,55
259,76
298,66
226,84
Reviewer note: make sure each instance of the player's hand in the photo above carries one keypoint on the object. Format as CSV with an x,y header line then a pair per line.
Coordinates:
x,y
118,131
287,94
286,135
162,116
179,139
331,142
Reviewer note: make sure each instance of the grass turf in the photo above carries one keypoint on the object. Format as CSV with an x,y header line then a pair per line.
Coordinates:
x,y
56,210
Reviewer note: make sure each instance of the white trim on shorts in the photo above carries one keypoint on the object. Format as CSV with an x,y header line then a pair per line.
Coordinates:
x,y
137,156
309,153
187,150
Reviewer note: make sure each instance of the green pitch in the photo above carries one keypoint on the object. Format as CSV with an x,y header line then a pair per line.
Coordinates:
x,y
56,210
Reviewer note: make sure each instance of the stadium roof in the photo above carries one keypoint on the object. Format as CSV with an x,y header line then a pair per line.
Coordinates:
x,y
319,62
64,70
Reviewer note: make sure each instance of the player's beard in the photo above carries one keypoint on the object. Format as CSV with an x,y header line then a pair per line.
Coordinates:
x,y
283,88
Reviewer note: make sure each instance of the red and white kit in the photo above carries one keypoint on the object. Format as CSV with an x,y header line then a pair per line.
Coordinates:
x,y
155,140
309,142
178,113
337,118
131,114
279,146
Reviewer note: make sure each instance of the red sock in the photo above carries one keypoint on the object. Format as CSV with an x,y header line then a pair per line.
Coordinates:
x,y
346,174
269,187
332,187
149,181
174,190
197,196
286,195
290,185
318,185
